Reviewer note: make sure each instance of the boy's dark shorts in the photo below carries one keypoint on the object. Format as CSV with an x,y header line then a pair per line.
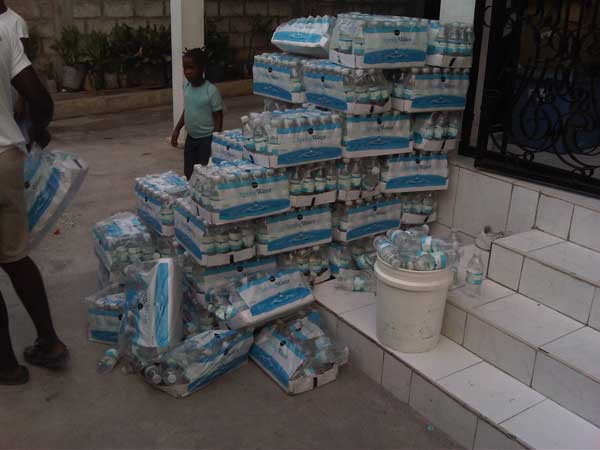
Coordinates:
x,y
197,151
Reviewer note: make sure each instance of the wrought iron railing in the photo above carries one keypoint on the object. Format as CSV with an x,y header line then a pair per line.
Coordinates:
x,y
534,110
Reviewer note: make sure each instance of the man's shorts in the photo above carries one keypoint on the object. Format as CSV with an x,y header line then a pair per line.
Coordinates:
x,y
14,228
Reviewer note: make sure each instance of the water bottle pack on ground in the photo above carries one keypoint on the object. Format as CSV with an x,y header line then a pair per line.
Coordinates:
x,y
450,44
122,240
356,219
308,36
419,208
437,131
313,184
303,227
260,298
298,353
376,134
105,309
278,76
418,171
52,178
199,360
227,145
212,245
429,89
352,91
156,195
356,280
152,322
233,191
364,40
312,262
292,137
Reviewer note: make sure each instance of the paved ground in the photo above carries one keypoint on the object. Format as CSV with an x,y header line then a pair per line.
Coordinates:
x,y
79,409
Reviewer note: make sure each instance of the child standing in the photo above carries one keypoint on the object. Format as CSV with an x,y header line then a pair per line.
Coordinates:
x,y
203,112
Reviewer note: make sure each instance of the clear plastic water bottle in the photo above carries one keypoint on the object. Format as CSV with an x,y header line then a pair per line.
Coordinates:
x,y
320,181
474,276
295,182
260,139
356,176
387,251
344,176
152,375
108,362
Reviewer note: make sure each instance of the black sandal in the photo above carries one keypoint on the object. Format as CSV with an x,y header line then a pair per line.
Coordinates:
x,y
15,379
37,355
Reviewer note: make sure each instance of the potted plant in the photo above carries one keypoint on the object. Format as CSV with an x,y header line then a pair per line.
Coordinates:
x,y
216,45
124,54
68,46
96,53
154,55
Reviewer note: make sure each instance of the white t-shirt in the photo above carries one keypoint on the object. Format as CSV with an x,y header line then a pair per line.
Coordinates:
x,y
12,62
15,23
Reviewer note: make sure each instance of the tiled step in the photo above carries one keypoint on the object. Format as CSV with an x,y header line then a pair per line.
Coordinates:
x,y
477,404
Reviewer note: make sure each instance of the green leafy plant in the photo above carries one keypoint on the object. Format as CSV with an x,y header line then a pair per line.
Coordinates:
x,y
155,45
97,50
68,45
259,27
216,44
124,47
34,43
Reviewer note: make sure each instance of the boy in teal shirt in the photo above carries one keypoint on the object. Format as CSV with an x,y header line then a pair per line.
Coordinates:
x,y
203,112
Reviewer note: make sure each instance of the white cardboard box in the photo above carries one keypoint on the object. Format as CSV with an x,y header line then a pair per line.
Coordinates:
x,y
302,201
273,161
460,62
357,61
214,218
436,145
418,219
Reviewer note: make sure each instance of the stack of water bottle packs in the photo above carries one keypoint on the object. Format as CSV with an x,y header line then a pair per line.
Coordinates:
x,y
227,145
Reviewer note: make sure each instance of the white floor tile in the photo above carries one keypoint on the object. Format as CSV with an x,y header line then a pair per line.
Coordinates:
x,y
491,392
499,349
523,207
329,320
572,259
364,319
550,426
481,200
396,377
446,414
447,358
505,267
365,355
528,241
554,216
340,301
595,313
557,290
453,326
490,438
579,350
447,198
567,387
525,319
584,229
491,291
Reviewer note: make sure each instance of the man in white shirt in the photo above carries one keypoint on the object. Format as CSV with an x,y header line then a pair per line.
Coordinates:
x,y
48,351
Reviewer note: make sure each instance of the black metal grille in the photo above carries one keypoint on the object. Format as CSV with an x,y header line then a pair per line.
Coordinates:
x,y
540,104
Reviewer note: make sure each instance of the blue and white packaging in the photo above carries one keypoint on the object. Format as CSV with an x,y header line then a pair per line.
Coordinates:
x,y
227,145
105,310
298,354
156,195
233,191
294,137
414,172
278,76
437,131
309,36
372,41
121,240
376,134
450,44
312,262
212,245
264,297
366,218
351,91
200,360
152,323
419,208
52,179
294,230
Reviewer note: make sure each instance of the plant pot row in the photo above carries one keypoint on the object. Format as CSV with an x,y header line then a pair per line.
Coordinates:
x,y
147,75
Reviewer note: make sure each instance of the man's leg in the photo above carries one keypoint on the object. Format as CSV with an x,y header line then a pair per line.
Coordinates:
x,y
11,373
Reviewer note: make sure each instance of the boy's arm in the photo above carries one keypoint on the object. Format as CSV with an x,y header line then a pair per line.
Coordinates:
x,y
218,120
177,130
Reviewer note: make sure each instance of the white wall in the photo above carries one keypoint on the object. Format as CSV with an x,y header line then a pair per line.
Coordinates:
x,y
457,10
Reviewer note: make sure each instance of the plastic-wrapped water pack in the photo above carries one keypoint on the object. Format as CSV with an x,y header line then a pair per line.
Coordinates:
x,y
227,145
261,297
278,76
298,354
105,311
356,219
450,44
308,36
436,131
199,360
152,323
364,40
122,240
376,134
156,195
418,171
312,262
52,178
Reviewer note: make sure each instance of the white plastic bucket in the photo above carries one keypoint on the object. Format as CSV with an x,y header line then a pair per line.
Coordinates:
x,y
410,307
